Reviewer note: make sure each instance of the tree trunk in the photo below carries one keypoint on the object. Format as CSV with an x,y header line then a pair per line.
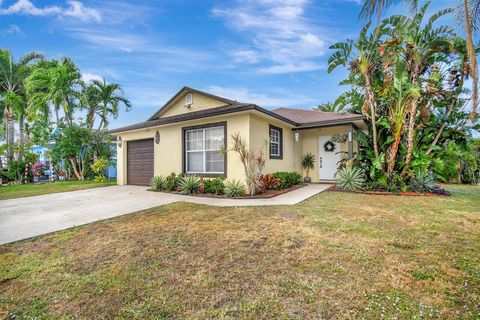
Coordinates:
x,y
10,136
472,57
90,117
21,131
73,162
394,151
442,127
373,110
410,137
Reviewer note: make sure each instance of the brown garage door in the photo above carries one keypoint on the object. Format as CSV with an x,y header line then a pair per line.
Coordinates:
x,y
140,162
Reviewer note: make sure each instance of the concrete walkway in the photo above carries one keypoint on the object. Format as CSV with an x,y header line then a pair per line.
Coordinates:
x,y
33,216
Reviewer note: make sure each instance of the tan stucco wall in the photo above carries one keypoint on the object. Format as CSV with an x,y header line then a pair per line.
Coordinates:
x,y
309,141
259,133
200,102
168,153
253,127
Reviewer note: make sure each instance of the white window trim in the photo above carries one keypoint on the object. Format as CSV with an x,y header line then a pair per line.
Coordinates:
x,y
275,142
204,151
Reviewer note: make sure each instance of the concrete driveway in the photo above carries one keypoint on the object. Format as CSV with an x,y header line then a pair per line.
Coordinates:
x,y
33,216
28,217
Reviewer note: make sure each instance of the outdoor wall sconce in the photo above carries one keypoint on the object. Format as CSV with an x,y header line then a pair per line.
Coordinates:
x,y
350,136
297,136
119,142
157,137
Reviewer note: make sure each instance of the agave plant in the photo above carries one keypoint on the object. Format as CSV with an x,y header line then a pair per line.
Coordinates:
x,y
189,184
350,179
234,188
423,182
158,183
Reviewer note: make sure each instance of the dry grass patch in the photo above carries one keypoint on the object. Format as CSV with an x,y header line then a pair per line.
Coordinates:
x,y
337,255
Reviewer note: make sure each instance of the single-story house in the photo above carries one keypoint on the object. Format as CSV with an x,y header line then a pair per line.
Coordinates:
x,y
187,135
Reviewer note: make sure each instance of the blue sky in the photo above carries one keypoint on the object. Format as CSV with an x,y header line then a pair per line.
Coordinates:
x,y
270,52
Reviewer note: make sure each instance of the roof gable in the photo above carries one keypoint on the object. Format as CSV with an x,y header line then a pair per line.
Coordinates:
x,y
201,101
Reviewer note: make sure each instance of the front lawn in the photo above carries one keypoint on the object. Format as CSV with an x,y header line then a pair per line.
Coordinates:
x,y
337,255
28,190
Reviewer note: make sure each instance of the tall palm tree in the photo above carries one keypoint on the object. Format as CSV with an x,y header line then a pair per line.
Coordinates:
x,y
468,12
104,101
57,83
362,57
422,46
12,76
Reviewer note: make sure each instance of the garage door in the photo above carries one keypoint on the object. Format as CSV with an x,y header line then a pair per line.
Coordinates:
x,y
140,162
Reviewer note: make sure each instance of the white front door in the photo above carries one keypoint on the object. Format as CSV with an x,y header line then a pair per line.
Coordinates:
x,y
327,160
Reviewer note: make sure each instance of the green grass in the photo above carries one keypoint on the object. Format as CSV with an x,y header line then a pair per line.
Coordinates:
x,y
336,256
28,190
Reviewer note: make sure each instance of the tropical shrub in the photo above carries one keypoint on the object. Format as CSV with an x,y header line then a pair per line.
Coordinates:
x,y
234,188
215,186
99,167
288,179
38,169
189,184
423,182
350,179
158,183
172,181
267,182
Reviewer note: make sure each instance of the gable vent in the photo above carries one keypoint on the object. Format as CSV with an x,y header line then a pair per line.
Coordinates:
x,y
188,100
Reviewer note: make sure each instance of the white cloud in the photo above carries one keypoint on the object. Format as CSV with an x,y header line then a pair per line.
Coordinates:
x,y
284,99
88,76
291,68
76,10
279,33
12,29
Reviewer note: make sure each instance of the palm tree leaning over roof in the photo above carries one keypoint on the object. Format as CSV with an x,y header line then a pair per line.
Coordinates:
x,y
12,76
105,100
468,13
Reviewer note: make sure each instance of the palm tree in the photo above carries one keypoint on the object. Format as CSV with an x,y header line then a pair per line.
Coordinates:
x,y
330,107
468,12
103,100
362,57
12,76
57,83
420,46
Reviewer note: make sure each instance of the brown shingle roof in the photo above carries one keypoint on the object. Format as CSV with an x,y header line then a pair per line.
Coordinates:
x,y
306,118
230,108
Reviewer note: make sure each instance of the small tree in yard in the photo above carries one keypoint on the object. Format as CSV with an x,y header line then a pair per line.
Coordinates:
x,y
253,163
69,144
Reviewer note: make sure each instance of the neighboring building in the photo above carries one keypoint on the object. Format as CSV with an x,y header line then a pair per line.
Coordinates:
x,y
188,133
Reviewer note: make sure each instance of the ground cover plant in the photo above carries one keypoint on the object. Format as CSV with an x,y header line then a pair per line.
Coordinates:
x,y
337,255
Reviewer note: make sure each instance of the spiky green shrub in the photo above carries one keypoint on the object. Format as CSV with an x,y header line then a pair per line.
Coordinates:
x,y
423,182
189,184
158,183
234,188
350,179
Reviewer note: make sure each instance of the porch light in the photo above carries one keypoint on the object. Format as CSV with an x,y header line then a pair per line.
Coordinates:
x,y
157,137
297,136
119,142
349,136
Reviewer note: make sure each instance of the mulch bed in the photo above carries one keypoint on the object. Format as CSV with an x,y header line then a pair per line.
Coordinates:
x,y
266,195
386,193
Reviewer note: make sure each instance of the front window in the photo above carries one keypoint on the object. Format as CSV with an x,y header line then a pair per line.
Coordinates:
x,y
203,150
275,142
